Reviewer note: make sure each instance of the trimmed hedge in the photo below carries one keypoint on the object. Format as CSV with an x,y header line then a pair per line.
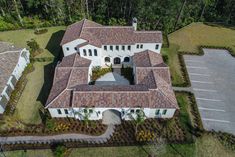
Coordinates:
x,y
40,31
44,59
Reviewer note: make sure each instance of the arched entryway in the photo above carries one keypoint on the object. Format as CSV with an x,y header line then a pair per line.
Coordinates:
x,y
117,60
107,59
111,116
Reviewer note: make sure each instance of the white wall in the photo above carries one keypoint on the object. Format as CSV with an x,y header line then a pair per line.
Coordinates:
x,y
95,60
71,45
17,72
98,113
102,53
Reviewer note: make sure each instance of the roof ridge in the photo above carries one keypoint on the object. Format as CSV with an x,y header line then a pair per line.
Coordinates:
x,y
71,71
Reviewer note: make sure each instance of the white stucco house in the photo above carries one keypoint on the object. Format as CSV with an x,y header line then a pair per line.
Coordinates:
x,y
13,61
87,44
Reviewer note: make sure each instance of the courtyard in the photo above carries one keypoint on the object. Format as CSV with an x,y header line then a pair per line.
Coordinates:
x,y
212,78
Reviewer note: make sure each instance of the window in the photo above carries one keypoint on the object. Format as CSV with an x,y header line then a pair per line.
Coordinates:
x,y
67,48
111,48
117,47
137,111
75,48
90,52
66,111
157,112
141,46
90,111
84,52
137,46
164,112
129,47
156,47
132,111
123,47
126,59
105,48
95,52
107,59
85,110
59,111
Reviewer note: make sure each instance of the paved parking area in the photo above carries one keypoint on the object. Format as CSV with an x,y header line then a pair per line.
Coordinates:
x,y
213,82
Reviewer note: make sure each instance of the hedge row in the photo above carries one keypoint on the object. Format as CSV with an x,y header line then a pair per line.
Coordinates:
x,y
44,59
200,53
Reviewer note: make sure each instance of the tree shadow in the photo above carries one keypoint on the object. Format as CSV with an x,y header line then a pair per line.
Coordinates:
x,y
48,80
53,45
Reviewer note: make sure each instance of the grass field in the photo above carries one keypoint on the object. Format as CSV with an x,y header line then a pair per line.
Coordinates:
x,y
49,41
35,93
196,34
206,146
189,38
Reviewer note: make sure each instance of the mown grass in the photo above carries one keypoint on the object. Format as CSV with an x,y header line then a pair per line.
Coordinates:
x,y
48,41
189,39
27,109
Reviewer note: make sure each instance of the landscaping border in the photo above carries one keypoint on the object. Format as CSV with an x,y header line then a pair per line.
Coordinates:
x,y
200,52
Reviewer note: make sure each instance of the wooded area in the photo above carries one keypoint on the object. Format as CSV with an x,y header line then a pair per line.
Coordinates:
x,y
166,15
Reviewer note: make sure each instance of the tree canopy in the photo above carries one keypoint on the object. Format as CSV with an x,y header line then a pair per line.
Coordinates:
x,y
166,15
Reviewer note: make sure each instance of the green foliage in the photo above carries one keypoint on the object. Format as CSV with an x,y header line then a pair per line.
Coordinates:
x,y
40,31
151,14
60,151
97,72
50,124
34,47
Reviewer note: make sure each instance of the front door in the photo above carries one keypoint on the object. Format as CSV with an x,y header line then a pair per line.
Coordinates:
x,y
117,60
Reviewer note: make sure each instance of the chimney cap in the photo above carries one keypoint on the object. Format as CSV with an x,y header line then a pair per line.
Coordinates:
x,y
134,19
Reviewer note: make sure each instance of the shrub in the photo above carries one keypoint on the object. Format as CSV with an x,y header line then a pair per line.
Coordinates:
x,y
60,151
165,58
98,72
34,48
50,124
40,31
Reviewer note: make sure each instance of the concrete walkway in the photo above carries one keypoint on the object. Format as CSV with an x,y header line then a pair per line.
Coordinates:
x,y
59,138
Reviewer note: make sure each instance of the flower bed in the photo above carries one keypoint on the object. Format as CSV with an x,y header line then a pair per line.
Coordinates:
x,y
97,72
58,126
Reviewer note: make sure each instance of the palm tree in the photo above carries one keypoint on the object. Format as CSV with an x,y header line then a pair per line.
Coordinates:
x,y
138,117
85,114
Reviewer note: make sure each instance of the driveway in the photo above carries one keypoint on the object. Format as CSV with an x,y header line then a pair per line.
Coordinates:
x,y
213,82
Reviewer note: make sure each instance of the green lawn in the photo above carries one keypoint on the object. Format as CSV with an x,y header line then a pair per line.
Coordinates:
x,y
189,38
34,94
29,153
49,41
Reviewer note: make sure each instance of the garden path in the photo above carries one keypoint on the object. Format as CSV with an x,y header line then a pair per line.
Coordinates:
x,y
59,138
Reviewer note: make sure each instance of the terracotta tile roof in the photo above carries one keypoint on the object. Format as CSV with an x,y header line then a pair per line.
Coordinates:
x,y
136,87
9,57
99,35
110,99
148,58
74,60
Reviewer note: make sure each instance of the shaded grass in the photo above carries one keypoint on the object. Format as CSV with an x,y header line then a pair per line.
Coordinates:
x,y
30,153
28,106
49,41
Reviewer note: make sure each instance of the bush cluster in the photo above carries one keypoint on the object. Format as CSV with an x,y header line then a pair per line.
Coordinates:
x,y
97,72
34,48
40,31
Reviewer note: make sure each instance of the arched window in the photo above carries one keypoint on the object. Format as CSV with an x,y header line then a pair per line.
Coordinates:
x,y
117,60
107,59
126,59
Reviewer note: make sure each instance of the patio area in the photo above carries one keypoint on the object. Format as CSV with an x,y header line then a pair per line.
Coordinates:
x,y
112,78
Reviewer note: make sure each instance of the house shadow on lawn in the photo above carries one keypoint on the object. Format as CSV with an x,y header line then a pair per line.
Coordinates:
x,y
53,45
48,80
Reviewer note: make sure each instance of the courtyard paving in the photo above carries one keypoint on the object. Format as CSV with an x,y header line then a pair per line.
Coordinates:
x,y
213,82
112,78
